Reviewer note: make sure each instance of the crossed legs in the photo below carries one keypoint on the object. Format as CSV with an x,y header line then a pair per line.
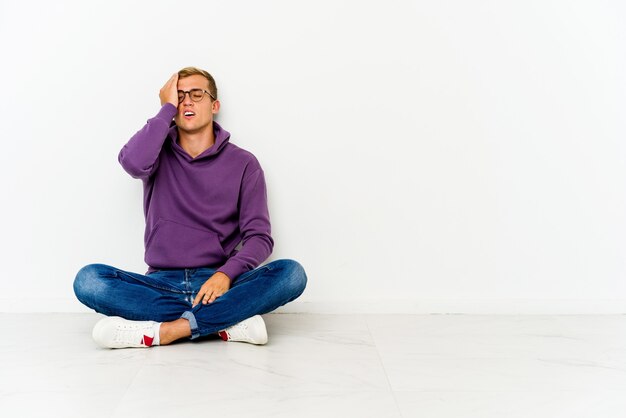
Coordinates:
x,y
166,296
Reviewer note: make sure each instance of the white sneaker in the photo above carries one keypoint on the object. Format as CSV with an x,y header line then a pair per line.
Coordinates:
x,y
116,332
251,330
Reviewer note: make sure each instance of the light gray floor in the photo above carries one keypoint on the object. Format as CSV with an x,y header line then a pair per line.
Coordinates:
x,y
324,366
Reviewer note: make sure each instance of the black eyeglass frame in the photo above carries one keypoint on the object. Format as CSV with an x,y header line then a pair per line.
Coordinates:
x,y
181,99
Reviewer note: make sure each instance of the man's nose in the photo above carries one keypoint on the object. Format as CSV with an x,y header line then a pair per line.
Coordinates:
x,y
187,98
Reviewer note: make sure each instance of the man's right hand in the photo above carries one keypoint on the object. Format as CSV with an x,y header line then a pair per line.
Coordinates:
x,y
169,92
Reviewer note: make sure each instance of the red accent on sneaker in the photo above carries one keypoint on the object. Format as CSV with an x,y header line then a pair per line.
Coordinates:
x,y
147,341
224,335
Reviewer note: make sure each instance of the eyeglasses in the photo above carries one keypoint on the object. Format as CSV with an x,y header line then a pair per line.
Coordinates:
x,y
194,94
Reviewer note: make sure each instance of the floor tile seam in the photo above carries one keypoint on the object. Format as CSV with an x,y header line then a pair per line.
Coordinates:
x,y
451,356
499,359
288,391
382,364
543,390
125,392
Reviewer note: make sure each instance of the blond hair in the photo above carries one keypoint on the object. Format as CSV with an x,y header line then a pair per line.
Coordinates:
x,y
189,71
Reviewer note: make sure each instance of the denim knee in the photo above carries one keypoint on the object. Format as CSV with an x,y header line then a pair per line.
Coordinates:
x,y
294,274
88,283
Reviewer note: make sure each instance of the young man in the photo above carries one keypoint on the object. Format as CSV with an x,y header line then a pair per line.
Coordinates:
x,y
203,196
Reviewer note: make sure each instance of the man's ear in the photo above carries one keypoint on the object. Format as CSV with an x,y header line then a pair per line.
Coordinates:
x,y
215,107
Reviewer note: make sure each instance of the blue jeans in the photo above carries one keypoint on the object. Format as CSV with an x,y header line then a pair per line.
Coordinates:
x,y
166,295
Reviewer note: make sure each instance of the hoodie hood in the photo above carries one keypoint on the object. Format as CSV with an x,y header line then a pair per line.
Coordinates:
x,y
222,138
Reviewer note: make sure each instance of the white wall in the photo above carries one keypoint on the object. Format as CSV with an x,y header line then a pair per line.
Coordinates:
x,y
425,156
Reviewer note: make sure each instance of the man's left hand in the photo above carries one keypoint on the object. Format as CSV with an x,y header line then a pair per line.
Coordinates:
x,y
216,286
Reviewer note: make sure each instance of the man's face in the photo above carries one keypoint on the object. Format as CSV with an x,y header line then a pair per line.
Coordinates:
x,y
202,111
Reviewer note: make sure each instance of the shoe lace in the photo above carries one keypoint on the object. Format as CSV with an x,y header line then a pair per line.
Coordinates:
x,y
130,333
239,330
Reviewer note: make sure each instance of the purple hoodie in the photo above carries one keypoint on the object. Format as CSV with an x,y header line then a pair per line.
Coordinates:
x,y
199,209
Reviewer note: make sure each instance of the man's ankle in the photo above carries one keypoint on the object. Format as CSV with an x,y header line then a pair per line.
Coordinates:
x,y
174,330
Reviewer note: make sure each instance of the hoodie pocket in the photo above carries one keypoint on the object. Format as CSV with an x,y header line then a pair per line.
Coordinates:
x,y
175,245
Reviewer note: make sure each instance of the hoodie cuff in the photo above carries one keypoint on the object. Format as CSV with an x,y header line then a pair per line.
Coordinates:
x,y
231,269
167,113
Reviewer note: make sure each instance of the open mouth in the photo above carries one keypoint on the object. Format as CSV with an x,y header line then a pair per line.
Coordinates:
x,y
189,114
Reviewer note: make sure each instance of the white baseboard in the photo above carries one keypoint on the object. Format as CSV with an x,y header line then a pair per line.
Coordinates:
x,y
419,306
464,306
